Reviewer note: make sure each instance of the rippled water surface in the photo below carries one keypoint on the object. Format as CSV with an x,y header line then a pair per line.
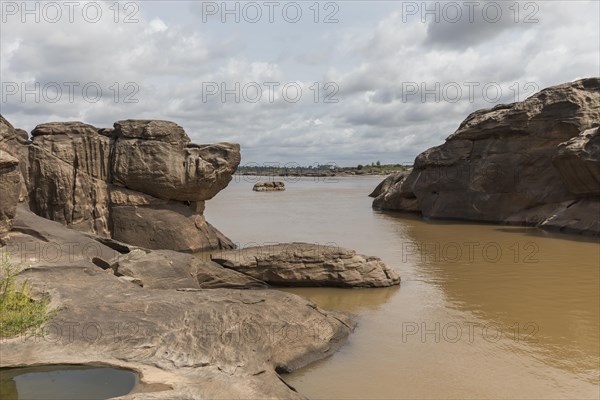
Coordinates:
x,y
483,311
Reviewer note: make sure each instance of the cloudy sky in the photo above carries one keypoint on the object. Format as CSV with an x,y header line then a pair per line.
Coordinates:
x,y
342,82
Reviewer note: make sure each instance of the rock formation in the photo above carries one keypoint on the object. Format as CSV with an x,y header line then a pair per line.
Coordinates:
x,y
122,297
165,269
269,186
534,162
11,179
304,264
142,182
190,343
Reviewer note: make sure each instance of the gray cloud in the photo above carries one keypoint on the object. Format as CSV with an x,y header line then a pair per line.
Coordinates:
x,y
373,55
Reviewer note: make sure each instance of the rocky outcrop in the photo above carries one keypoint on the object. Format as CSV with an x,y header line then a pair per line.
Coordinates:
x,y
164,269
177,319
141,182
145,221
10,184
389,192
304,264
156,157
191,343
10,175
269,187
578,161
523,163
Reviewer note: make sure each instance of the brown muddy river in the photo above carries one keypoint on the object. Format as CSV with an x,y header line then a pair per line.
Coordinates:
x,y
483,311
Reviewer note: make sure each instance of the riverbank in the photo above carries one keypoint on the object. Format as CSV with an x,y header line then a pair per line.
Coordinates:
x,y
322,171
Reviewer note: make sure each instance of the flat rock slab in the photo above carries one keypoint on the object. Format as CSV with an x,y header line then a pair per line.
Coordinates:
x,y
164,269
305,264
218,343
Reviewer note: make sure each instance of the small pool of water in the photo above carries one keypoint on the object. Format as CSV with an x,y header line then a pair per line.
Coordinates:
x,y
65,382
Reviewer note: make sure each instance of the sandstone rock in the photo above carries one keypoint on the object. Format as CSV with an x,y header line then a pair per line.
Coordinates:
x,y
304,264
10,186
8,136
385,184
75,174
164,131
164,269
22,136
69,171
269,187
173,226
155,157
10,175
581,216
36,240
578,161
390,194
499,163
218,343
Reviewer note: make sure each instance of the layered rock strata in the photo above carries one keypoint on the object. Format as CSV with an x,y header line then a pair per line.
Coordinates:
x,y
141,182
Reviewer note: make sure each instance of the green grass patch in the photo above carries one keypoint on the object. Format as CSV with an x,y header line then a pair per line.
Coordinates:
x,y
19,312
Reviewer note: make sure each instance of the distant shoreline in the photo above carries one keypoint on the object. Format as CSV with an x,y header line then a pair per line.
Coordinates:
x,y
322,172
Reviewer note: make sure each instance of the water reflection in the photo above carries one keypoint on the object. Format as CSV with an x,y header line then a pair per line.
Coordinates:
x,y
347,300
65,382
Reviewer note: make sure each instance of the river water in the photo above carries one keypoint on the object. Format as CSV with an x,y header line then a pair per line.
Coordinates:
x,y
483,311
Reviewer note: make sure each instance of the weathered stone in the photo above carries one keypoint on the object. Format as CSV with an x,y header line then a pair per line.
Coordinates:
x,y
304,264
22,136
164,269
581,216
191,343
391,196
34,240
8,136
10,175
163,131
10,188
79,175
269,187
174,173
507,160
172,226
578,161
69,171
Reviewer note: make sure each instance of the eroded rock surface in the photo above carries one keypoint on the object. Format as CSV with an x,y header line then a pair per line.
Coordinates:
x,y
517,163
190,342
305,264
390,195
141,182
578,161
10,175
162,269
10,184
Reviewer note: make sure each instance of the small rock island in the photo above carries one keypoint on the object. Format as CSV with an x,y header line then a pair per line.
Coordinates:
x,y
269,187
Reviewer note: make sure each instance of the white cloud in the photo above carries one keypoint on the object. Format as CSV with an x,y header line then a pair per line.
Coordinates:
x,y
374,54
